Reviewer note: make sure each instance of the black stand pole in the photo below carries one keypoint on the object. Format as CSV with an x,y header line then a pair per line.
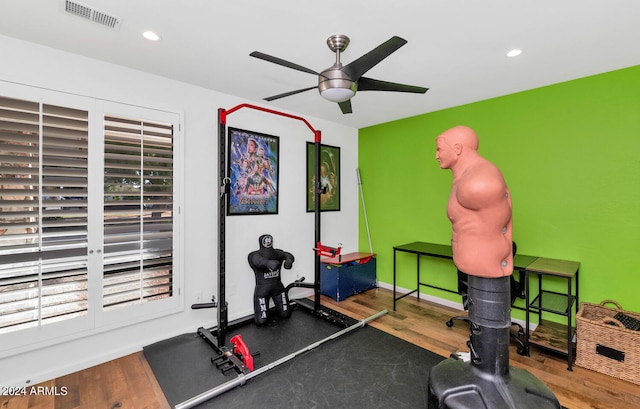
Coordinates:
x,y
223,319
487,380
318,192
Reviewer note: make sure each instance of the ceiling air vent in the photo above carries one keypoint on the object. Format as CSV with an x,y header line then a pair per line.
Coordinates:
x,y
91,14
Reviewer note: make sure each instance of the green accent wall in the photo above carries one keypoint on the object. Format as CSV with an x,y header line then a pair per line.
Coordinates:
x,y
570,153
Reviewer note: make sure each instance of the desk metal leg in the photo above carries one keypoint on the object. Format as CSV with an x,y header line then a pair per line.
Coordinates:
x,y
527,312
577,286
540,304
418,274
394,279
569,331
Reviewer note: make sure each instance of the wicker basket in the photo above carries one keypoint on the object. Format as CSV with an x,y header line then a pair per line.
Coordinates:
x,y
604,344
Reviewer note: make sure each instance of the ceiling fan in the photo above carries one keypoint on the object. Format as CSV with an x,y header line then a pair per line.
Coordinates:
x,y
340,83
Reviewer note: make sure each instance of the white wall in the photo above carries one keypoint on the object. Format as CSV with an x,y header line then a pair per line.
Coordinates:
x,y
292,228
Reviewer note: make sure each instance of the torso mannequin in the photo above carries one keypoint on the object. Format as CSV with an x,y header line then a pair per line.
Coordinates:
x,y
479,206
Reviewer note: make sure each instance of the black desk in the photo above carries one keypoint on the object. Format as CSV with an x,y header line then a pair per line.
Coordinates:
x,y
558,340
419,248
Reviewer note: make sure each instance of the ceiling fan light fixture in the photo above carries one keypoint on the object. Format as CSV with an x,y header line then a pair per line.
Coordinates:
x,y
337,94
335,86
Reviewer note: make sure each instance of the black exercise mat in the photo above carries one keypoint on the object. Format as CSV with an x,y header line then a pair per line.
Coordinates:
x,y
183,367
365,368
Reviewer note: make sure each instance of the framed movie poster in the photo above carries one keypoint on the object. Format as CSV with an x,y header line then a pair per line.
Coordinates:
x,y
329,177
253,170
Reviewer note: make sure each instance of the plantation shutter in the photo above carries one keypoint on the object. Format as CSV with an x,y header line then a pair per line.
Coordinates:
x,y
43,213
138,211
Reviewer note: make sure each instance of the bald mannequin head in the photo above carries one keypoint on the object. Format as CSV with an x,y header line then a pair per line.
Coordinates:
x,y
461,135
456,144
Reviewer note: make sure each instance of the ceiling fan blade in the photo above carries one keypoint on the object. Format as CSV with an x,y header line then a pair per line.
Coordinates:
x,y
286,94
369,84
357,68
345,106
282,62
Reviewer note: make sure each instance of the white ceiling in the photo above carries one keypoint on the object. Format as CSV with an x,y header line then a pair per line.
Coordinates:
x,y
455,47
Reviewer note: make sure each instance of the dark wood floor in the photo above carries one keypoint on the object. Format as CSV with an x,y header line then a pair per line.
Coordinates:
x,y
128,382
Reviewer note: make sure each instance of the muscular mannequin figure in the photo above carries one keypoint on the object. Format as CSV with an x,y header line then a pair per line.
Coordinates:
x,y
266,263
479,206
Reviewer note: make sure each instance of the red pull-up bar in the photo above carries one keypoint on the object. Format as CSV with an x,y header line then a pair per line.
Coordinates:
x,y
223,117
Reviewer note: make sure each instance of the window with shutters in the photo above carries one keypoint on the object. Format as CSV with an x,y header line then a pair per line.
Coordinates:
x,y
138,212
87,216
43,213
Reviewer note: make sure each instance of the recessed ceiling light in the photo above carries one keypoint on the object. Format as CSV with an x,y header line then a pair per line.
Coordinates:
x,y
514,53
150,35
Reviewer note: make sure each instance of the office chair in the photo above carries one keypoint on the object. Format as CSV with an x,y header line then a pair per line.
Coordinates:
x,y
517,289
